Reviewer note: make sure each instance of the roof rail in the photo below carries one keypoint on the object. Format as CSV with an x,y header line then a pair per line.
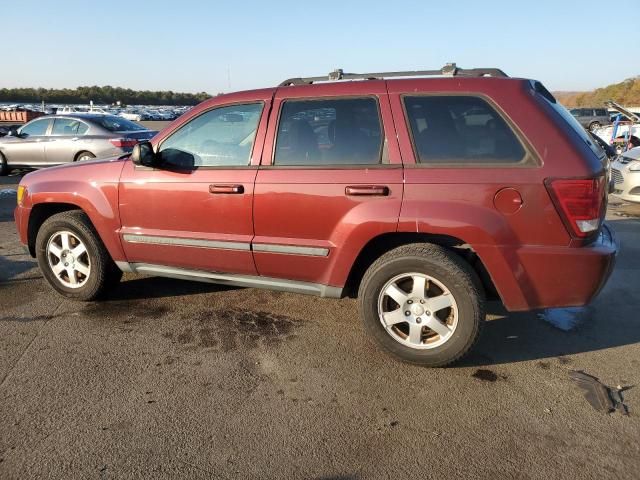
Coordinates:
x,y
449,70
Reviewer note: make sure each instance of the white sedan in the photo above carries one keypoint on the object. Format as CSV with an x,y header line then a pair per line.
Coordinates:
x,y
625,172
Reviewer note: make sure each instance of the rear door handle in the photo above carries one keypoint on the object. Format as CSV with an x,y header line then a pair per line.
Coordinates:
x,y
371,190
226,189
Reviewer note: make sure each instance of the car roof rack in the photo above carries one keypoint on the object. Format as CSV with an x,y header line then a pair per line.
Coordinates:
x,y
449,70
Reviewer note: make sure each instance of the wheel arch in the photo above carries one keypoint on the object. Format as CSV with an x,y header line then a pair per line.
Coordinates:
x,y
385,242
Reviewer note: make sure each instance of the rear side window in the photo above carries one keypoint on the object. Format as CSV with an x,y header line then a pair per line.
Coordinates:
x,y
601,112
460,130
345,131
68,126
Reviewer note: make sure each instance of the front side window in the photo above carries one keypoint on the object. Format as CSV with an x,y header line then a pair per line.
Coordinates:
x,y
220,137
36,128
460,130
329,132
68,126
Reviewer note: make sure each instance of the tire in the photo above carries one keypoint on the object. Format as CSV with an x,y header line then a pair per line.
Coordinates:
x,y
91,273
593,126
4,167
84,156
448,278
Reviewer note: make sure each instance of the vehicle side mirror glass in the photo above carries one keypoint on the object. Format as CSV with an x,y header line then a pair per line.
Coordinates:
x,y
13,132
143,155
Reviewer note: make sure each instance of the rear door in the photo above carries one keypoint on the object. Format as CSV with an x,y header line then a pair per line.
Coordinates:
x,y
62,143
330,180
198,216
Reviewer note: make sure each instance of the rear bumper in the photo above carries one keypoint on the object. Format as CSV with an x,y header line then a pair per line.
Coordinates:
x,y
529,278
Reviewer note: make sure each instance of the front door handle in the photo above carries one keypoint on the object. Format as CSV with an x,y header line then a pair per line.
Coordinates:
x,y
372,190
226,189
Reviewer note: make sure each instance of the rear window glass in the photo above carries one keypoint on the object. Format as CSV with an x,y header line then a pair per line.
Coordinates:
x,y
570,119
460,129
117,124
345,131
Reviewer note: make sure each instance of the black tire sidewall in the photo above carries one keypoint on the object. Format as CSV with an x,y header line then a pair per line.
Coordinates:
x,y
456,281
95,251
4,166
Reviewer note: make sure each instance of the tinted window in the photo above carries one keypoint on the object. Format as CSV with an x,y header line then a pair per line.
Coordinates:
x,y
601,112
68,126
564,113
117,124
329,132
459,129
37,127
223,136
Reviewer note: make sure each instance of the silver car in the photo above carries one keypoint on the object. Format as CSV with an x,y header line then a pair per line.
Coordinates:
x,y
625,172
58,139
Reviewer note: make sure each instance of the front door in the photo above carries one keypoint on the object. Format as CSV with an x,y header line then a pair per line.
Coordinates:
x,y
198,215
28,148
330,181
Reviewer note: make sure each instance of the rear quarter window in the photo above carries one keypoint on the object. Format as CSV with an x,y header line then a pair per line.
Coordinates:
x,y
460,129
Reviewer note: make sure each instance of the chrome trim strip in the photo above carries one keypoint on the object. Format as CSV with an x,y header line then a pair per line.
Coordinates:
x,y
239,280
290,249
185,242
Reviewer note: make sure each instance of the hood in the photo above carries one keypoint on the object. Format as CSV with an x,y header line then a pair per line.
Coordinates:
x,y
633,154
103,170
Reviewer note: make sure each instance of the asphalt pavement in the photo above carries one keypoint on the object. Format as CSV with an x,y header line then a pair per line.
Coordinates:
x,y
172,379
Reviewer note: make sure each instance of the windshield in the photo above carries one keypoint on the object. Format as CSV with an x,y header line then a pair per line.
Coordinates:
x,y
570,119
118,124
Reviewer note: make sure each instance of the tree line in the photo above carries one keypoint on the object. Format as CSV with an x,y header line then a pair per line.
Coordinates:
x,y
100,95
626,93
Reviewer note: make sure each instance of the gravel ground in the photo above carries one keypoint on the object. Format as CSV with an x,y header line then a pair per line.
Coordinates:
x,y
171,379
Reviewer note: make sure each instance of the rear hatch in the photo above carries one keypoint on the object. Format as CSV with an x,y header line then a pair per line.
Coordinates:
x,y
580,200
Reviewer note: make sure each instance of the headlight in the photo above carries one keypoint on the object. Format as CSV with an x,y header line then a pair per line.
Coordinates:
x,y
634,166
22,192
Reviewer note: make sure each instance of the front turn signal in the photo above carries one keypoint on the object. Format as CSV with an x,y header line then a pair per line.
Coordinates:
x,y
22,192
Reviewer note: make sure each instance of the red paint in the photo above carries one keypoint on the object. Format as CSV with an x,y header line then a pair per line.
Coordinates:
x,y
508,201
505,215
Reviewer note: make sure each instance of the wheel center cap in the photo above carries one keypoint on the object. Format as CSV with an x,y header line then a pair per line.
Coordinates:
x,y
417,309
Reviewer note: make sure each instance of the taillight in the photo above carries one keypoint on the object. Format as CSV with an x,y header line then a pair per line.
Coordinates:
x,y
124,142
580,203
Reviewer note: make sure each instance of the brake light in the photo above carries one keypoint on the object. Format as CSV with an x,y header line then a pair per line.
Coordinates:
x,y
580,203
124,142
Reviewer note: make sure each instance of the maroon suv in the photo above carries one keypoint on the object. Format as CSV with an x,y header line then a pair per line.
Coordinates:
x,y
421,195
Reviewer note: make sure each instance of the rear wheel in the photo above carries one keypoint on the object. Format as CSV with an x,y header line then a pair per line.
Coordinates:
x,y
4,167
84,156
593,126
423,304
72,257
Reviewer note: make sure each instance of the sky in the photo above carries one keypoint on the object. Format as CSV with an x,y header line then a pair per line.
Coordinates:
x,y
222,46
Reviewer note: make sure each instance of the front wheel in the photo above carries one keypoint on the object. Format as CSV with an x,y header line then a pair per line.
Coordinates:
x,y
422,304
72,257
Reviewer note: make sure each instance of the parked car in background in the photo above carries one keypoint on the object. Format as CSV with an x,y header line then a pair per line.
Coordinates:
x,y
423,197
58,139
625,172
591,117
81,109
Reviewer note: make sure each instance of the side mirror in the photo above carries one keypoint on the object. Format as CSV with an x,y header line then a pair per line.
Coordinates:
x,y
13,132
143,154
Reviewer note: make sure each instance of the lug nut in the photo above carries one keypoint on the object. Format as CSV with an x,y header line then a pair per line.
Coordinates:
x,y
66,264
418,320
410,302
427,313
421,301
407,313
